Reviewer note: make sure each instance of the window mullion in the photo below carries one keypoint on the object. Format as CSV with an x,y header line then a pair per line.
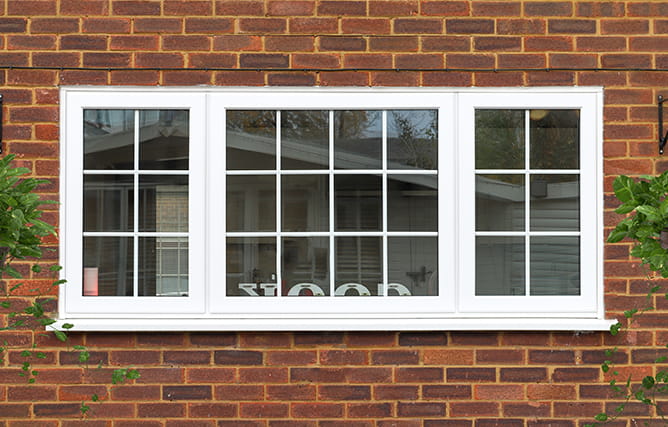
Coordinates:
x,y
135,213
384,265
332,253
527,207
279,221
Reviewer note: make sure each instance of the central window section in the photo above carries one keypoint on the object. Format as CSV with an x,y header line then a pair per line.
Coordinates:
x,y
331,203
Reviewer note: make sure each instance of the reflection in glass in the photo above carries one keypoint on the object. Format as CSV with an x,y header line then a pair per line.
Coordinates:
x,y
412,263
358,265
305,202
251,203
108,203
358,200
499,139
109,139
555,203
163,266
305,266
304,139
499,202
555,265
163,203
555,139
251,140
499,266
163,139
357,139
412,139
412,203
251,266
108,266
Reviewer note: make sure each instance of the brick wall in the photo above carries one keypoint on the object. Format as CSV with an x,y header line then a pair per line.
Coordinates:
x,y
336,379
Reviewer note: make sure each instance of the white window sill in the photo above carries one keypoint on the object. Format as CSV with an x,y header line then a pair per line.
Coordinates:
x,y
348,324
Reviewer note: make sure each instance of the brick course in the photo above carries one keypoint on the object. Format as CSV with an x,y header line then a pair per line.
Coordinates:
x,y
381,379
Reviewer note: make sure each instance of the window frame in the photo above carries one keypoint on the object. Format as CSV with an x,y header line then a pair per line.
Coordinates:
x,y
205,308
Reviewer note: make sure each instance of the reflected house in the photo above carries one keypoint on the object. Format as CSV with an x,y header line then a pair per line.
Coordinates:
x,y
308,229
115,150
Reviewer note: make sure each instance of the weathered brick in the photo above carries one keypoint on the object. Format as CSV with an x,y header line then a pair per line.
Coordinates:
x,y
106,25
397,392
289,43
313,26
412,375
189,43
344,392
187,77
239,392
447,392
16,42
166,60
342,7
80,42
571,26
186,392
496,8
209,25
136,7
497,43
418,26
263,410
421,61
263,375
262,25
157,25
13,25
336,43
420,409
317,410
237,43
187,7
291,392
84,7
394,43
253,60
446,8
151,410
469,26
548,8
373,26
54,25
467,409
56,59
105,59
31,7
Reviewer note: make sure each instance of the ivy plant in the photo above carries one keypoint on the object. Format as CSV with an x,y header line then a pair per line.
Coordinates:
x,y
22,231
644,203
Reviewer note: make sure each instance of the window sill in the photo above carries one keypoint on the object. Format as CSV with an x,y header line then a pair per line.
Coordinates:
x,y
348,324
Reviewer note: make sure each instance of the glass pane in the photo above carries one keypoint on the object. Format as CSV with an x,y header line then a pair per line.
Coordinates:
x,y
357,140
251,203
251,140
412,263
305,266
109,139
108,266
163,266
555,139
412,203
251,266
499,202
499,139
305,201
412,139
163,139
555,203
359,266
163,203
108,203
499,266
358,200
304,139
555,265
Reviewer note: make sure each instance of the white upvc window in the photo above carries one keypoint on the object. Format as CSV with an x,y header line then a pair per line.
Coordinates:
x,y
331,209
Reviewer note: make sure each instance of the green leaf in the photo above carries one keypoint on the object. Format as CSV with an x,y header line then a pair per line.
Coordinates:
x,y
36,268
67,326
623,187
648,382
60,335
601,417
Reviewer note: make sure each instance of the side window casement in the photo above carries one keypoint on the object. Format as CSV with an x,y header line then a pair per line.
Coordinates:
x,y
344,209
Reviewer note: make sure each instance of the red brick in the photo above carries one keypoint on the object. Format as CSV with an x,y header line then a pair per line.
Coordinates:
x,y
262,25
417,26
466,409
152,375
186,392
338,43
31,42
521,60
446,8
624,26
418,61
263,410
365,26
157,25
368,375
212,60
605,9
626,60
411,375
447,392
136,392
289,43
31,7
571,60
520,26
317,410
79,42
56,59
343,357
46,133
318,61
471,374
106,25
290,8
84,7
161,60
393,8
578,375
448,357
151,410
342,7
188,43
397,392
264,60
496,8
571,26
529,409
499,356
497,43
600,44
446,44
576,409
239,78
392,78
313,26
462,60
15,59
237,43
80,77
545,8
291,79
135,77
543,44
187,77
469,26
263,375
420,409
239,392
348,78
551,356
291,392
80,392
239,8
136,7
551,78
105,59
33,114
496,392
209,25
59,410
54,25
31,393
648,9
370,410
188,7
394,43
344,392
648,44
551,392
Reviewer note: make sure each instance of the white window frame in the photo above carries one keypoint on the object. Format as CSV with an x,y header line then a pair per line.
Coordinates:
x,y
208,308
